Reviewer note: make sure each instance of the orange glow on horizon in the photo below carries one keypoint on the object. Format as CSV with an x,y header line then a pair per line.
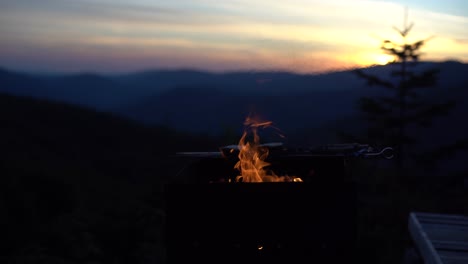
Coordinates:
x,y
371,59
219,35
383,59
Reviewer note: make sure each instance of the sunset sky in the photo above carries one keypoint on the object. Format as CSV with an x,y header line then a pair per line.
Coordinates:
x,y
303,36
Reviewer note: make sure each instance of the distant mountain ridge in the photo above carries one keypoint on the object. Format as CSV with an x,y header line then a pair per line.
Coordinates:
x,y
200,101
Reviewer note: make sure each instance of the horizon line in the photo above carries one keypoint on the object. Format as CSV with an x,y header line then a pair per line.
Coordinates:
x,y
209,71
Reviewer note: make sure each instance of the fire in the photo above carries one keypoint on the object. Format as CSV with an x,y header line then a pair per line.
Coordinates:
x,y
252,156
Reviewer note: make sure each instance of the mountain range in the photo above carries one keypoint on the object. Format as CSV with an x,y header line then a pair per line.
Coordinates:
x,y
304,106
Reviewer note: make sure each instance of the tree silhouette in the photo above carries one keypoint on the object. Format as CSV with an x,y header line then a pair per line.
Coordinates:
x,y
391,116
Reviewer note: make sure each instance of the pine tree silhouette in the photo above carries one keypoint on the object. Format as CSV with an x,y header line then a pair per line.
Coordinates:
x,y
392,115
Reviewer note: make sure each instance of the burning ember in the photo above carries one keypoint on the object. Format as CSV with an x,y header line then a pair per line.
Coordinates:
x,y
252,156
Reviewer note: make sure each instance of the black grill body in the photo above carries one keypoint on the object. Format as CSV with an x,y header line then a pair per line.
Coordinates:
x,y
209,220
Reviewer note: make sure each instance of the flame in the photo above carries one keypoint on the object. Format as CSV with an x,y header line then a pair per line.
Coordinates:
x,y
252,156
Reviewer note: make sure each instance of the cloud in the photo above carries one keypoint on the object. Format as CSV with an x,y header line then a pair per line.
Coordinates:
x,y
246,32
462,41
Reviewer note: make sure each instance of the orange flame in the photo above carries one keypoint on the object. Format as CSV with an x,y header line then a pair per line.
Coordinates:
x,y
252,156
